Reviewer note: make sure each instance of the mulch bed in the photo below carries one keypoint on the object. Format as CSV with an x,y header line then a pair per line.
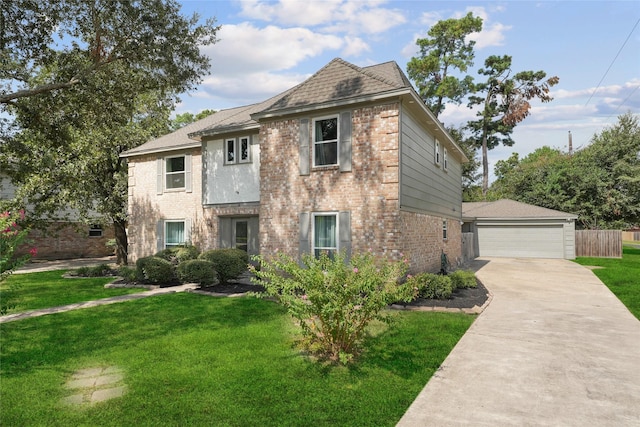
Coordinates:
x,y
461,298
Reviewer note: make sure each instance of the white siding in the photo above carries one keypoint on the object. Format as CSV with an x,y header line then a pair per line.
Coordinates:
x,y
237,183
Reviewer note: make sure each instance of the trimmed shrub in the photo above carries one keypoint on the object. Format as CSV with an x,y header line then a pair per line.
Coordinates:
x,y
432,286
179,254
154,269
463,279
198,271
127,273
95,271
229,263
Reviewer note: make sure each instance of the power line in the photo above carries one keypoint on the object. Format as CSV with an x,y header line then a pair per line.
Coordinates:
x,y
612,62
623,102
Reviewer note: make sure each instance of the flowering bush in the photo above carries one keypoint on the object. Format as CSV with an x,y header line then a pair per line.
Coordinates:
x,y
11,237
332,300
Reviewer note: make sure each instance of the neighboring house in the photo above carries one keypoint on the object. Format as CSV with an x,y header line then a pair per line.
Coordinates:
x,y
350,159
506,228
63,240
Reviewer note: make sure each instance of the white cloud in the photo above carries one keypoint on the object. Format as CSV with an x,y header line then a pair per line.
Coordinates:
x,y
243,48
249,88
343,16
355,46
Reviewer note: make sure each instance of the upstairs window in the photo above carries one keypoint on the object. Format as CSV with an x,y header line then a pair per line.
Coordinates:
x,y
445,160
237,150
325,141
174,172
436,153
95,230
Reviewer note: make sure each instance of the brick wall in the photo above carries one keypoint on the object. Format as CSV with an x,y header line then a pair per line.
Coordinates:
x,y
369,191
68,240
423,242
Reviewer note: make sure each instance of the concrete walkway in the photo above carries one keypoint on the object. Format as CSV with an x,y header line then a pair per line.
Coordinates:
x,y
554,348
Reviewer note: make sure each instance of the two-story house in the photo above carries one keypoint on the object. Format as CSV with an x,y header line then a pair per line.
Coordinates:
x,y
349,159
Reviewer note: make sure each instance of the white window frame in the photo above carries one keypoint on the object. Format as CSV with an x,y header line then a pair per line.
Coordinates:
x,y
445,160
314,215
237,150
184,232
183,172
445,229
436,153
337,140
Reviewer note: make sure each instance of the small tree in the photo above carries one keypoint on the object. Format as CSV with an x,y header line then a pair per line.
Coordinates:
x,y
332,300
12,236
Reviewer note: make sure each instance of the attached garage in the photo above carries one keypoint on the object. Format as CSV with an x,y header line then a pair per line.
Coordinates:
x,y
506,228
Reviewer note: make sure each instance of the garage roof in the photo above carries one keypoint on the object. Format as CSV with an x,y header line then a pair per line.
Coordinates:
x,y
510,209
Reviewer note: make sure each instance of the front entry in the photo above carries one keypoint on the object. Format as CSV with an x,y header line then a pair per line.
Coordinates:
x,y
240,233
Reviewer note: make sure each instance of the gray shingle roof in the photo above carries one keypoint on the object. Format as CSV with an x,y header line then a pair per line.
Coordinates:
x,y
509,209
340,80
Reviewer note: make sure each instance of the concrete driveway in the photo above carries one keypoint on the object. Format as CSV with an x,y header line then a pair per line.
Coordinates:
x,y
554,348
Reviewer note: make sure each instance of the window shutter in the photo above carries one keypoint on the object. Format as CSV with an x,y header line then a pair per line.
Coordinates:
x,y
304,244
160,175
304,147
344,228
160,235
187,231
187,173
345,142
225,232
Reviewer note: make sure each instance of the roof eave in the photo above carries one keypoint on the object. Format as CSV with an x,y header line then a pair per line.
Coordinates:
x,y
197,136
132,153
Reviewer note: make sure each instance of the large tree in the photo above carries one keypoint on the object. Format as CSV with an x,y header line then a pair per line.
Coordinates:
x,y
446,49
83,81
504,102
600,183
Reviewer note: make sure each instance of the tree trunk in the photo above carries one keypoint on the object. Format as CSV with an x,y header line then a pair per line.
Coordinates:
x,y
485,164
120,231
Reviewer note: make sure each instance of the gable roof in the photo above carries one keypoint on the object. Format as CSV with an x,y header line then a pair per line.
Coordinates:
x,y
510,209
339,81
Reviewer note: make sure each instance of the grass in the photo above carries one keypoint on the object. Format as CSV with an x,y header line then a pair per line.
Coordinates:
x,y
49,289
622,276
190,359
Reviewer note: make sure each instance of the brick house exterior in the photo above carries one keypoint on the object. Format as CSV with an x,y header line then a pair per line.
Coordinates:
x,y
351,159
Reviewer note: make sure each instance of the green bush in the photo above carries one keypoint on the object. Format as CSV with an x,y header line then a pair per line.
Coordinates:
x,y
155,270
127,273
432,286
95,271
333,301
179,254
198,271
463,279
229,263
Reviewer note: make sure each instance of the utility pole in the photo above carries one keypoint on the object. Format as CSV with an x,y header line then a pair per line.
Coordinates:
x,y
570,144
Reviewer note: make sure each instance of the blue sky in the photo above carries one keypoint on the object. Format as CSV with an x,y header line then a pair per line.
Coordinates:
x,y
266,47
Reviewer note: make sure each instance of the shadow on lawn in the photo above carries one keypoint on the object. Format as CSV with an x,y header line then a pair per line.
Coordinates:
x,y
59,337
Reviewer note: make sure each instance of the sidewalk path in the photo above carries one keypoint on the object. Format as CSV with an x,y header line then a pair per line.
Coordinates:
x,y
554,348
88,304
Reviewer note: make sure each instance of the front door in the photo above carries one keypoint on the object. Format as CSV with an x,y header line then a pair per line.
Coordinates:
x,y
240,233
240,229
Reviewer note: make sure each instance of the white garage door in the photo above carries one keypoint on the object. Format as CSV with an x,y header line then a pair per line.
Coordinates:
x,y
521,241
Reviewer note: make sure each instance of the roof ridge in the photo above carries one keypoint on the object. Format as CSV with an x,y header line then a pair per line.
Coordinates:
x,y
366,70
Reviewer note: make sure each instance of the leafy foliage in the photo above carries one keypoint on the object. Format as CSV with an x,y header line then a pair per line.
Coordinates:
x,y
333,301
84,81
447,48
432,286
198,271
600,183
229,263
155,270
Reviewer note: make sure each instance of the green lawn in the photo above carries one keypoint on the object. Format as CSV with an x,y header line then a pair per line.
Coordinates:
x,y
49,289
622,276
190,359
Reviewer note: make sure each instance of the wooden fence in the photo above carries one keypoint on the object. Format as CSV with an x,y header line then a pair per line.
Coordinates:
x,y
599,243
631,236
468,247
